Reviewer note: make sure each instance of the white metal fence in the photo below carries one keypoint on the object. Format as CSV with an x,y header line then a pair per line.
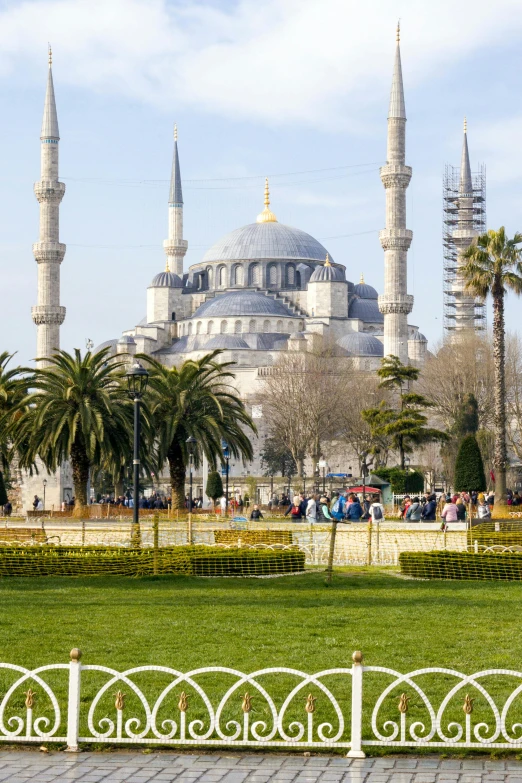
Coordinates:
x,y
74,703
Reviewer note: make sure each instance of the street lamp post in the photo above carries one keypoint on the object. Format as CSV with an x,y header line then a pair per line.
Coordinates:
x,y
137,378
44,486
226,455
191,448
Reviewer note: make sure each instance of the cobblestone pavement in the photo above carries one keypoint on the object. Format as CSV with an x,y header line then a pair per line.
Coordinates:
x,y
132,767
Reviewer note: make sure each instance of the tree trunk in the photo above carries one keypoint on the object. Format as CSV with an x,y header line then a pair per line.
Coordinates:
x,y
500,393
177,475
402,454
80,471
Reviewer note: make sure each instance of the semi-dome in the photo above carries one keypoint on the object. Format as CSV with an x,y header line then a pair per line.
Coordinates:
x,y
327,273
126,339
270,240
418,337
241,303
223,341
360,344
366,310
166,280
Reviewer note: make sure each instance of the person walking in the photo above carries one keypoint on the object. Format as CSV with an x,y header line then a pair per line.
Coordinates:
x,y
449,512
461,510
323,512
338,506
294,509
256,513
311,509
354,509
429,510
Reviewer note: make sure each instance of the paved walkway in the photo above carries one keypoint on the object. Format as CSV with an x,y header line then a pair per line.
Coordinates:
x,y
138,767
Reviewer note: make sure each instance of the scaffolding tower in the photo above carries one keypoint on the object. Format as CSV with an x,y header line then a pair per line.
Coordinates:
x,y
450,224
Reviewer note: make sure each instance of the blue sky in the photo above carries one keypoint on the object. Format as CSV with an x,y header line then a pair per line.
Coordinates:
x,y
297,90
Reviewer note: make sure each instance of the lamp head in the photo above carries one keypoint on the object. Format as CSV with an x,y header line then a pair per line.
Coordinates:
x,y
137,378
191,445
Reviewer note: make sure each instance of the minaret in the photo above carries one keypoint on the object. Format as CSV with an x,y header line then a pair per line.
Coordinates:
x,y
462,237
48,315
175,246
396,303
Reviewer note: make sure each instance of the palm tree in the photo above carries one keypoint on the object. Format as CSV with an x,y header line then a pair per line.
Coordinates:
x,y
13,389
80,411
196,399
492,265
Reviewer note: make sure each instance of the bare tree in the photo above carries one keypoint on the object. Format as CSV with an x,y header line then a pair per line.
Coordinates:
x,y
514,393
361,390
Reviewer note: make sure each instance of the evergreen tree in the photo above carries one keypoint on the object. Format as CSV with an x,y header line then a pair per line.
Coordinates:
x,y
3,493
214,488
469,468
467,419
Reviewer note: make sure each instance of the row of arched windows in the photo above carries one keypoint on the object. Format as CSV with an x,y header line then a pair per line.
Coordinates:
x,y
237,327
237,276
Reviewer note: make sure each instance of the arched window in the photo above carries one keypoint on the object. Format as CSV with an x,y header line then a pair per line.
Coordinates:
x,y
209,277
255,275
190,328
237,327
252,326
222,277
238,275
290,326
224,327
279,326
266,326
198,327
290,274
301,326
272,275
210,327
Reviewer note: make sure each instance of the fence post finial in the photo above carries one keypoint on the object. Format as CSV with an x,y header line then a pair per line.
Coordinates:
x,y
356,751
73,705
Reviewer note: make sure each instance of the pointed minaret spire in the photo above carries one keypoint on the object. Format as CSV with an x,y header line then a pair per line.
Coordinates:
x,y
48,315
464,302
175,246
50,117
397,105
395,303
465,185
267,216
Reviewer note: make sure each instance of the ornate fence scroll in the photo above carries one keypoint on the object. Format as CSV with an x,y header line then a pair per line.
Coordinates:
x,y
282,707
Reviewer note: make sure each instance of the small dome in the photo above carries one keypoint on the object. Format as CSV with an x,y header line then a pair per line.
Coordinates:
x,y
327,273
417,337
106,344
225,341
126,339
360,344
365,291
241,303
367,310
166,280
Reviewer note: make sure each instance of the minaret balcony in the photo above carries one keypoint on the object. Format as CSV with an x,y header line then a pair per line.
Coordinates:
x,y
395,303
395,175
395,238
49,190
463,237
49,252
48,314
175,246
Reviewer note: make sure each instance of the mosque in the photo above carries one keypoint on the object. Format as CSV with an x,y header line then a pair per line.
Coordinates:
x,y
259,292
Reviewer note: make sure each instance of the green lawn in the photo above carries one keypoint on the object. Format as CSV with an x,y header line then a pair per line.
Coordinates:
x,y
248,624
251,623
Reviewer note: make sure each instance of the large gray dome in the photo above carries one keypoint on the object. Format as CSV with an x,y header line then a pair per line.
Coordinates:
x,y
241,303
360,344
259,241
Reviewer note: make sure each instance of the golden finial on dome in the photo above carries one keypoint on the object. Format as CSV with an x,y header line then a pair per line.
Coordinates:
x,y
399,31
361,281
50,55
175,132
167,269
327,260
465,125
266,216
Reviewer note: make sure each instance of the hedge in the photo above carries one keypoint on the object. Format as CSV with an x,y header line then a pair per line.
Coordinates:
x,y
506,566
253,537
114,561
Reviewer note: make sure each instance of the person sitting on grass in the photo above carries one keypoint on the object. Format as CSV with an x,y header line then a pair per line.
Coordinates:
x,y
256,513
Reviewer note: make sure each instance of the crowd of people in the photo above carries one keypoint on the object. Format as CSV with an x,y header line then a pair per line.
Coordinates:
x,y
340,507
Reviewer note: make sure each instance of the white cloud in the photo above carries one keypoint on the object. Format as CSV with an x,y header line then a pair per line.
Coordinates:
x,y
282,61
